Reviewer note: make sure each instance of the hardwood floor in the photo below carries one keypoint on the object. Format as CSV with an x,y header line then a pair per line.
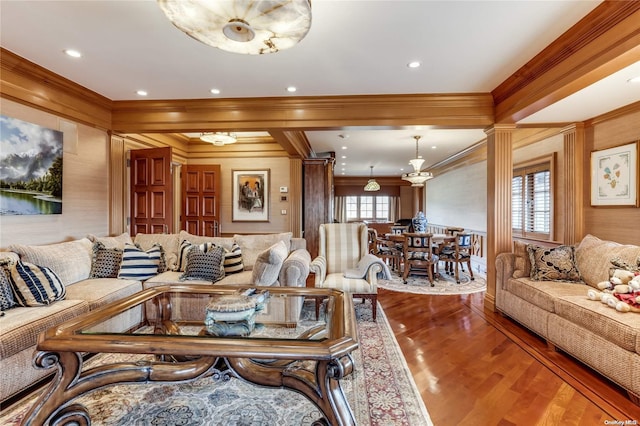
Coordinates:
x,y
475,367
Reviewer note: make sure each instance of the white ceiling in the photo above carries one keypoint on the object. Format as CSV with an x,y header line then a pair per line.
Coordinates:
x,y
353,47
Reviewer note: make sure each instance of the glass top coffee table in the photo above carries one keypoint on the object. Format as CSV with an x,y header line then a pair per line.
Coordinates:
x,y
193,330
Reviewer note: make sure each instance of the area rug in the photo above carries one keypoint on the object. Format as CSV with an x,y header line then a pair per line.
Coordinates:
x,y
381,391
444,284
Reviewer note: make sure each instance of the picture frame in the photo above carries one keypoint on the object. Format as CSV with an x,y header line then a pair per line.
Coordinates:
x,y
614,176
250,195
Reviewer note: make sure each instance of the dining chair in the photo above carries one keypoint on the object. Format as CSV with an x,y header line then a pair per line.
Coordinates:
x,y
341,247
390,251
458,254
449,245
419,256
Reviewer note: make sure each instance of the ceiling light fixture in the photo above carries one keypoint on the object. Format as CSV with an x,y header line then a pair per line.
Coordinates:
x,y
219,138
414,64
242,26
73,53
634,79
372,185
417,177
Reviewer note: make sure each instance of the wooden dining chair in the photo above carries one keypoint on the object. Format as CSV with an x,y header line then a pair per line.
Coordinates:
x,y
458,254
418,256
449,245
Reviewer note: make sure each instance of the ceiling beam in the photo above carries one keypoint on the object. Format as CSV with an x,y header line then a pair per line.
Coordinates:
x,y
294,142
303,113
603,42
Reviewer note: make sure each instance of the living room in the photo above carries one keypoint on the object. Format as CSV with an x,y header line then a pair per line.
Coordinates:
x,y
104,130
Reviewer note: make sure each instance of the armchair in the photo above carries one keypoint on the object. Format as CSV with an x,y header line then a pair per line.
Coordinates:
x,y
344,264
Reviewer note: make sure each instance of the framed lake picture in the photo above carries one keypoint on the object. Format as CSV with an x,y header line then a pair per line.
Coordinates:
x,y
250,195
30,168
614,176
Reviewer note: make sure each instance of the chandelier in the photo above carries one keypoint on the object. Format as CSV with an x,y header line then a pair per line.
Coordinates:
x,y
417,177
241,26
219,138
372,185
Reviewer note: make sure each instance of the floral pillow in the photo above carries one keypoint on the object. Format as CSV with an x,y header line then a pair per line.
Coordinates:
x,y
553,264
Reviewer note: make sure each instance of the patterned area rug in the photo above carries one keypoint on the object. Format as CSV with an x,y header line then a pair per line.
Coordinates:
x,y
444,284
381,391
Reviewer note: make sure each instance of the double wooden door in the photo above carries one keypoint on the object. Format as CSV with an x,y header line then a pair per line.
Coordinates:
x,y
152,195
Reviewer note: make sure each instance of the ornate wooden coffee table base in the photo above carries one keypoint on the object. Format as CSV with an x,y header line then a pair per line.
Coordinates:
x,y
320,386
279,363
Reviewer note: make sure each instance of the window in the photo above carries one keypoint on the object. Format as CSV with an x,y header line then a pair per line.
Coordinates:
x,y
531,200
367,207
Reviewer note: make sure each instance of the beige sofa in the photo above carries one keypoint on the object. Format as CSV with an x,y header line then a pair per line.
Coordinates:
x,y
72,262
601,337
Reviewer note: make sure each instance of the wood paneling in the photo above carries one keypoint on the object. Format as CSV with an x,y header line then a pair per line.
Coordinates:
x,y
30,84
603,42
573,184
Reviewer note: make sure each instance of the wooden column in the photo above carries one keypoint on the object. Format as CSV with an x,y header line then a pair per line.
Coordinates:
x,y
499,175
117,183
317,198
573,166
295,197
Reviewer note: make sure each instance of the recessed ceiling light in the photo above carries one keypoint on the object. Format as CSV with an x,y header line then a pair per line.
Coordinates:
x,y
344,156
433,147
414,64
215,91
142,93
344,147
73,53
343,164
634,79
291,89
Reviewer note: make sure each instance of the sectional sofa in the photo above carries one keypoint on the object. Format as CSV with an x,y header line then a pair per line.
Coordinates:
x,y
74,262
561,312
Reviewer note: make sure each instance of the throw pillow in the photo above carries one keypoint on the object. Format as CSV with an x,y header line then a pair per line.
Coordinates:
x,y
185,246
112,242
233,260
35,285
253,245
7,300
267,267
553,264
204,265
106,261
522,267
138,264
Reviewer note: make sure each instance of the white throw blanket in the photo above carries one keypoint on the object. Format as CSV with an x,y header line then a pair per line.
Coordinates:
x,y
360,271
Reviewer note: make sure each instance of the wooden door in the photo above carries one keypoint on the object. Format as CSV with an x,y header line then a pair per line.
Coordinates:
x,y
151,191
201,199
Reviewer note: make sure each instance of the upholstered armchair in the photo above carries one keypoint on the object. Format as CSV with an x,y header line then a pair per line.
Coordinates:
x,y
344,263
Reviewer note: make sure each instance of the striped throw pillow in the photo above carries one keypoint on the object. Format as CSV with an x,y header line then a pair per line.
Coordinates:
x,y
35,285
233,260
138,264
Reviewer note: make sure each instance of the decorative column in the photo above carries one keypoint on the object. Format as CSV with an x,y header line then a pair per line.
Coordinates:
x,y
117,178
573,166
295,197
499,175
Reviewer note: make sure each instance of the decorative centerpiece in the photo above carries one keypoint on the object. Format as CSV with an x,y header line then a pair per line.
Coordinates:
x,y
419,222
234,314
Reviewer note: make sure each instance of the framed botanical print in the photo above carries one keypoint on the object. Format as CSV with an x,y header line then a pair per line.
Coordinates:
x,y
614,176
250,195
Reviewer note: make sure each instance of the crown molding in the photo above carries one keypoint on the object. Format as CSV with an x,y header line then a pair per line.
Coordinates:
x,y
603,42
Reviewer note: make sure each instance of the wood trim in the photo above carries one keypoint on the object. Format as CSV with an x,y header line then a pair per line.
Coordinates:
x,y
30,84
330,112
118,183
295,143
295,197
499,172
573,200
603,42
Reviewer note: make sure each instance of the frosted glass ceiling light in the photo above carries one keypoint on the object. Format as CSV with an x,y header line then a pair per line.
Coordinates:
x,y
417,177
241,26
219,138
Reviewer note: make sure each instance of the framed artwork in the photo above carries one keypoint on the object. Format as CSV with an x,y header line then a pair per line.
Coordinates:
x,y
30,168
250,195
614,176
